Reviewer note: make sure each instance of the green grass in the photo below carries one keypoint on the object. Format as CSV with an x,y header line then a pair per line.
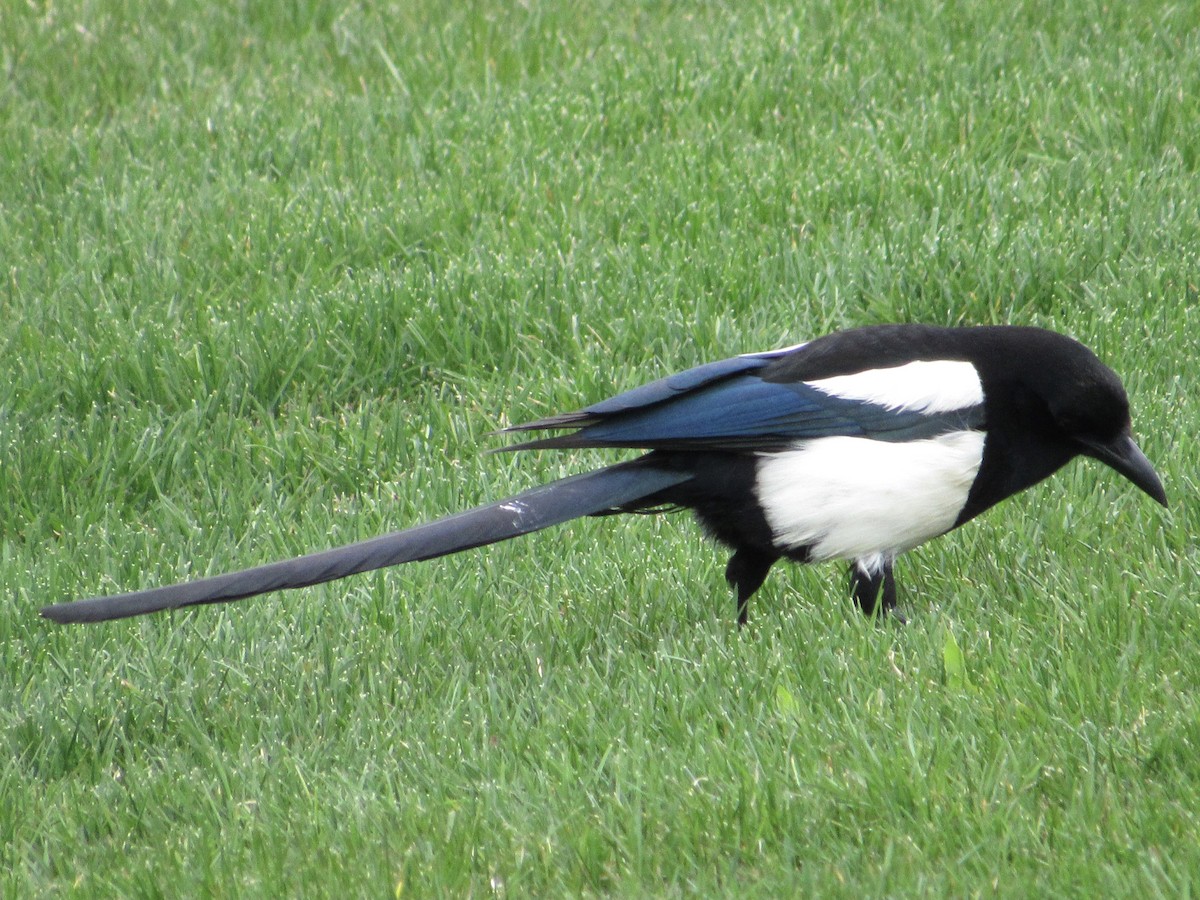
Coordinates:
x,y
270,274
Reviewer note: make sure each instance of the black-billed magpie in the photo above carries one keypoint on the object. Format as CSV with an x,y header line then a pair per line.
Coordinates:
x,y
856,446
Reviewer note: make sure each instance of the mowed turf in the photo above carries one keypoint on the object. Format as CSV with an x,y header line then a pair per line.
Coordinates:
x,y
271,273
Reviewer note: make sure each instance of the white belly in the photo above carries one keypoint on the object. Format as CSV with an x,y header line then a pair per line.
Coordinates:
x,y
855,498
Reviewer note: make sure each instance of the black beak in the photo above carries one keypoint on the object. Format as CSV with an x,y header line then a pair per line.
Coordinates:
x,y
1127,457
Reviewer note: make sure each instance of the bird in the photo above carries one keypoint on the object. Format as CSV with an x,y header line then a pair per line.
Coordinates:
x,y
857,446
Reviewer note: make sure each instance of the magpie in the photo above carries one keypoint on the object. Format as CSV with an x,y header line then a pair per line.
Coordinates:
x,y
855,446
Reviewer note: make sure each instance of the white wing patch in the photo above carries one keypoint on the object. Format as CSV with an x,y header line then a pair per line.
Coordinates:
x,y
768,354
855,498
927,386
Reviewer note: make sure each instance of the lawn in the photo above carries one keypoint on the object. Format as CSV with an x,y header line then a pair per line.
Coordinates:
x,y
270,274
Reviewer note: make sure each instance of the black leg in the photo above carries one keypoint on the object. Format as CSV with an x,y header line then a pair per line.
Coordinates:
x,y
745,573
870,587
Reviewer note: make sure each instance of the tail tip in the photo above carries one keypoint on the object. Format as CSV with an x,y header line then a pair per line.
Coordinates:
x,y
53,613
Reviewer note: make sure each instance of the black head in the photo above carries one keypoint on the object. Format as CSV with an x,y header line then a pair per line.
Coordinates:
x,y
1085,404
1098,422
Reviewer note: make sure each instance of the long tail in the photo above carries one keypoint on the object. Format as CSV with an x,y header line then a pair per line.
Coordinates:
x,y
532,510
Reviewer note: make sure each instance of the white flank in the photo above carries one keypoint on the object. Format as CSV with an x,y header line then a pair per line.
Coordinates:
x,y
930,386
855,498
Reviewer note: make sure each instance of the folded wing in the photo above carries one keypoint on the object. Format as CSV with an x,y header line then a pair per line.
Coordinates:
x,y
733,406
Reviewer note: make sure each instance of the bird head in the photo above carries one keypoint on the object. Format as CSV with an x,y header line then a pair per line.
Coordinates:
x,y
1089,406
